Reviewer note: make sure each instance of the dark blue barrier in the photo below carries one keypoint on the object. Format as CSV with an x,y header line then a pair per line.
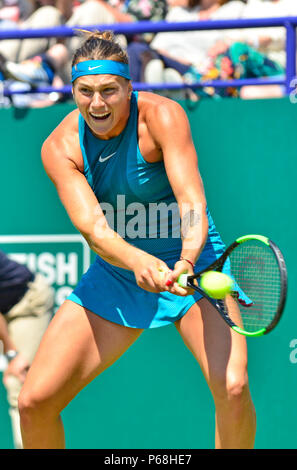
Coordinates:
x,y
289,23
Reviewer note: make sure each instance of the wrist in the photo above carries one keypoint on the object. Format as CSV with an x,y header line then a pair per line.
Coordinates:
x,y
189,261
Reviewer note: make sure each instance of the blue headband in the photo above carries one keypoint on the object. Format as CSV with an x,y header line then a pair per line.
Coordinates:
x,y
100,67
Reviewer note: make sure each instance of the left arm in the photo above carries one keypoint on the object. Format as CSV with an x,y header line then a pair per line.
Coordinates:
x,y
8,344
180,159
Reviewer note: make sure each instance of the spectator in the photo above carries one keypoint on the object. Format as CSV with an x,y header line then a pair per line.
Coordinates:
x,y
241,61
180,56
91,12
43,63
13,12
137,10
47,13
26,303
180,51
227,58
9,14
53,66
269,42
191,47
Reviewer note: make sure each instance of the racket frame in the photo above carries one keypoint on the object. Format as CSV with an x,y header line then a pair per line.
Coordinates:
x,y
218,266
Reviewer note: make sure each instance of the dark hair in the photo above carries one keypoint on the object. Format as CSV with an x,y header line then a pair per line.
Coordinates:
x,y
99,46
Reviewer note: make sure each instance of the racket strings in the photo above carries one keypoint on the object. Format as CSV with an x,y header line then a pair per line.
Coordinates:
x,y
255,269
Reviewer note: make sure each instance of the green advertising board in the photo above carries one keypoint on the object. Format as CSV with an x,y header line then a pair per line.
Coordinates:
x,y
61,259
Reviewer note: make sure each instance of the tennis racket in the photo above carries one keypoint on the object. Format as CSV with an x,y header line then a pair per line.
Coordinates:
x,y
256,302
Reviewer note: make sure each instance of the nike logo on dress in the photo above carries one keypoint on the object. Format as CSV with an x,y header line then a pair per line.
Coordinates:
x,y
106,158
96,67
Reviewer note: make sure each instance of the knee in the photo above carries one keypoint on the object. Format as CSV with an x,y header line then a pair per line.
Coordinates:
x,y
47,15
237,387
27,404
231,389
32,406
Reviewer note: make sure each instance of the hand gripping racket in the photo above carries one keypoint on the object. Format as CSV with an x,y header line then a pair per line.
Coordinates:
x,y
256,302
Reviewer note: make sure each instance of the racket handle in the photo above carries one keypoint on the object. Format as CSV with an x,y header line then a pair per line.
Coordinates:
x,y
183,280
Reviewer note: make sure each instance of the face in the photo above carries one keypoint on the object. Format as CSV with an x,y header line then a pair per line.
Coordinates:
x,y
104,103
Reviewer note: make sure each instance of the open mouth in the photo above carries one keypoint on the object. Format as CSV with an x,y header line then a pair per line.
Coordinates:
x,y
100,117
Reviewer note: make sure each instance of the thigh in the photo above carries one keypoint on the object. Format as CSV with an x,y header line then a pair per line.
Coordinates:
x,y
221,352
9,48
44,17
77,346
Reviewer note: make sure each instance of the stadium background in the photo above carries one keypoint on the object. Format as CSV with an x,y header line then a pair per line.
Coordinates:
x,y
247,158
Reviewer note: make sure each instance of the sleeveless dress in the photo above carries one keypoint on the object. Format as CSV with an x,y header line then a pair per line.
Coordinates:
x,y
135,197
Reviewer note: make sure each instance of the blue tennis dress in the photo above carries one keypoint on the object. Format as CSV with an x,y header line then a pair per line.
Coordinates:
x,y
135,196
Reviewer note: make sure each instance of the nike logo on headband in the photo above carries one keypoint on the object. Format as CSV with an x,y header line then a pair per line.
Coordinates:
x,y
97,66
91,67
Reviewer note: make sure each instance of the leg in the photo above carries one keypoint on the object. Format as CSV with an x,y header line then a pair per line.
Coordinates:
x,y
23,330
27,322
77,346
18,50
222,355
47,16
140,54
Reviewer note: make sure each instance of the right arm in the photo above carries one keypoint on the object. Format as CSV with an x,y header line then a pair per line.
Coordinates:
x,y
60,155
19,366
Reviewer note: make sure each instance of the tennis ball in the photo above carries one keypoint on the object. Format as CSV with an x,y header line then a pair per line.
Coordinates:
x,y
216,285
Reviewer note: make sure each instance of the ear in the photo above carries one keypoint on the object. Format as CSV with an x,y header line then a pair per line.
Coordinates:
x,y
130,89
73,95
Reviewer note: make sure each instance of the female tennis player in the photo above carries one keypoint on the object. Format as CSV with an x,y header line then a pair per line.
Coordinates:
x,y
115,160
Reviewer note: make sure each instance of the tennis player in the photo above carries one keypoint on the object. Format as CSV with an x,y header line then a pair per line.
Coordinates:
x,y
113,160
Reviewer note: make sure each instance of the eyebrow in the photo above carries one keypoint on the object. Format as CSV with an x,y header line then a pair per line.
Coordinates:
x,y
103,84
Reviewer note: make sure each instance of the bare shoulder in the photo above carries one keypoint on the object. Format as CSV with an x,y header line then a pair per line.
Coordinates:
x,y
66,130
161,113
162,116
62,144
153,106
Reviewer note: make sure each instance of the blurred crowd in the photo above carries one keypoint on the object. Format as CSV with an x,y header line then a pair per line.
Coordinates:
x,y
173,57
